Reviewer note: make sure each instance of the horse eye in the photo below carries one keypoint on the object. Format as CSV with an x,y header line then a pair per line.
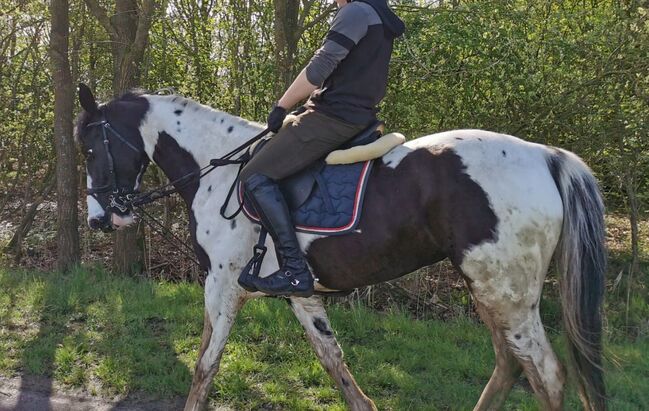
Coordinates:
x,y
89,153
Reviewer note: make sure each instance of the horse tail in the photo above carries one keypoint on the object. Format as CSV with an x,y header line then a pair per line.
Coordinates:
x,y
581,261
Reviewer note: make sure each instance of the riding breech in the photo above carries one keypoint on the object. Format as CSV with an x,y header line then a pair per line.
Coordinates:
x,y
297,145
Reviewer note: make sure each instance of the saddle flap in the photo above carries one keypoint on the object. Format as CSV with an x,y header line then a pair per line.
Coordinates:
x,y
297,188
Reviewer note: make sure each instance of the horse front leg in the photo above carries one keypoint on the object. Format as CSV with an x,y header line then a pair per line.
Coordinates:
x,y
223,300
313,317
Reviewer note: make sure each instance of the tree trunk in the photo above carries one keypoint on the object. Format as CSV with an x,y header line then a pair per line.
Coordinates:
x,y
629,186
286,38
129,33
25,225
66,167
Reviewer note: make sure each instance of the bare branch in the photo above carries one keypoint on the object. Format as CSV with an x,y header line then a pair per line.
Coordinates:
x,y
317,20
101,16
143,26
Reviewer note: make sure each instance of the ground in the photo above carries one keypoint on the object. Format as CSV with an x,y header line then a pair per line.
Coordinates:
x,y
105,342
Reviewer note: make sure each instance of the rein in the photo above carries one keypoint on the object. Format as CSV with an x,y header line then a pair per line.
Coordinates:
x,y
124,199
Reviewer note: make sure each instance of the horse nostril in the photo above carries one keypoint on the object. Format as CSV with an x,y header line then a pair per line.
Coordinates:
x,y
95,223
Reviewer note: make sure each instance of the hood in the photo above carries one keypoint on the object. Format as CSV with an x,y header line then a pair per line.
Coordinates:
x,y
391,21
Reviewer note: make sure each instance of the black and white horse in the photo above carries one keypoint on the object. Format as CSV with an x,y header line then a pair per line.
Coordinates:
x,y
497,207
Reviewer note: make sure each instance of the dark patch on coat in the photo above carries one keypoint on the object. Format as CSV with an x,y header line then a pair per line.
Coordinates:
x,y
230,129
321,325
345,382
428,208
125,115
233,224
504,153
221,121
177,162
178,112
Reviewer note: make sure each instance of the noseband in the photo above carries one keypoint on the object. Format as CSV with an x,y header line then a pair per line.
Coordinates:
x,y
120,196
124,199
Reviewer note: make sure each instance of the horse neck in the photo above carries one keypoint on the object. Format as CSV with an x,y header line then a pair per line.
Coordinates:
x,y
202,131
180,134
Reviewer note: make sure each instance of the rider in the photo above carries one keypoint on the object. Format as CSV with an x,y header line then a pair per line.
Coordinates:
x,y
345,79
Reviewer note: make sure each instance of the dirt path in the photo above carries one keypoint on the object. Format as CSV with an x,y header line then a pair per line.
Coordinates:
x,y
35,394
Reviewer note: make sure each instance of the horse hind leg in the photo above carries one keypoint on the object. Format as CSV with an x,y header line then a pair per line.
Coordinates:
x,y
222,303
506,371
529,344
509,289
518,332
313,317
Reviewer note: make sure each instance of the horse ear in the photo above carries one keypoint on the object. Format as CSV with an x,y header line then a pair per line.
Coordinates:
x,y
87,100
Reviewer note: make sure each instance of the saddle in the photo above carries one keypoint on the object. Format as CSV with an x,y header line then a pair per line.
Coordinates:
x,y
327,198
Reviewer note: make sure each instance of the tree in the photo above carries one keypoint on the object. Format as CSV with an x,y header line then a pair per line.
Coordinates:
x,y
66,166
128,30
290,25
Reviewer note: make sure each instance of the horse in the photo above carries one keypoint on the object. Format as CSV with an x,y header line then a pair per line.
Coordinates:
x,y
499,208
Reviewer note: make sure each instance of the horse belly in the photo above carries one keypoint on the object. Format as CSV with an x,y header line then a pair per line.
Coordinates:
x,y
397,233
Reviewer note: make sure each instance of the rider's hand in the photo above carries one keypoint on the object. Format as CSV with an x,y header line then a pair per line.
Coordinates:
x,y
276,118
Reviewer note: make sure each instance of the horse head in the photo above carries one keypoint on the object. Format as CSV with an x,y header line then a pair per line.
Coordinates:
x,y
110,139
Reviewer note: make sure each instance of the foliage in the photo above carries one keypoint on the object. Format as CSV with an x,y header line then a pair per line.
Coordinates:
x,y
118,336
572,74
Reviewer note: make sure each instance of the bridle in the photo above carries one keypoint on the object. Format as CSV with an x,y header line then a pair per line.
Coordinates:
x,y
119,197
125,198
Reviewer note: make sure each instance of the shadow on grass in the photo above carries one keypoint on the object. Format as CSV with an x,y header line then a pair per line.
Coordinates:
x,y
122,337
110,335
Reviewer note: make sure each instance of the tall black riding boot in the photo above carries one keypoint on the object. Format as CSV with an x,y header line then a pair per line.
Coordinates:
x,y
293,278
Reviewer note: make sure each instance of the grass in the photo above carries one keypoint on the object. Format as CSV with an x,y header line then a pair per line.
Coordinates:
x,y
121,336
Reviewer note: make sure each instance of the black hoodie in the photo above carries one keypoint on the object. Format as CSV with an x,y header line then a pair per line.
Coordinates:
x,y
357,85
391,21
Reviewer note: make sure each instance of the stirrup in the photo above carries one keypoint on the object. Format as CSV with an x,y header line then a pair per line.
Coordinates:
x,y
252,268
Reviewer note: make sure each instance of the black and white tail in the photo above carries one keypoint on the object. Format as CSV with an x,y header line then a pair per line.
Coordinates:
x,y
581,260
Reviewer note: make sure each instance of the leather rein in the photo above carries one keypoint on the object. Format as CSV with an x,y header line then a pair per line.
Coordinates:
x,y
124,199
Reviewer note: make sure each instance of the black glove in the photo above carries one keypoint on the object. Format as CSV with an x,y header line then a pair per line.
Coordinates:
x,y
276,118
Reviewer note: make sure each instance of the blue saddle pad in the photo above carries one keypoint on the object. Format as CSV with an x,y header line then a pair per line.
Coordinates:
x,y
335,203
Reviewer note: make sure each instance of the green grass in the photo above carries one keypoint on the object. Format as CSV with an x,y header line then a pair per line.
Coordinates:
x,y
114,335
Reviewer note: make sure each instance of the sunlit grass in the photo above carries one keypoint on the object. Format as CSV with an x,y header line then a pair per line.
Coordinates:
x,y
116,335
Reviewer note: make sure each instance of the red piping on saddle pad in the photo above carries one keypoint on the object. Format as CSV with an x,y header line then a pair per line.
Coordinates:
x,y
324,230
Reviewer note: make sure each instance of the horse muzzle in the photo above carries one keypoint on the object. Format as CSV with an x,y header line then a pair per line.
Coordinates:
x,y
102,223
119,222
110,222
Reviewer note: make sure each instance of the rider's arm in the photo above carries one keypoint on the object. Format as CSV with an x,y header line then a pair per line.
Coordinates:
x,y
348,28
300,89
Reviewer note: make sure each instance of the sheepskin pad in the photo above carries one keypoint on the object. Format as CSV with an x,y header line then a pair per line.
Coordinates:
x,y
366,152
